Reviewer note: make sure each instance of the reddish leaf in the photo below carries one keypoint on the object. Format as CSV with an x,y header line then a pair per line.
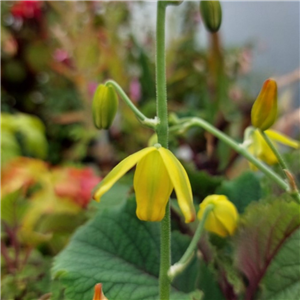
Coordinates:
x,y
265,228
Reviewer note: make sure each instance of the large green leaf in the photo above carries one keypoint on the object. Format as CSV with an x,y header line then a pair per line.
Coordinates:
x,y
282,280
208,283
267,229
121,252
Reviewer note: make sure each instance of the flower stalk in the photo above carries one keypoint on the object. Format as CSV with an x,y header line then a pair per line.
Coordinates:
x,y
191,122
162,136
289,177
184,261
274,150
152,123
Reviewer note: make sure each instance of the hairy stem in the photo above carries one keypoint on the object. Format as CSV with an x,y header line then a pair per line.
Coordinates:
x,y
162,136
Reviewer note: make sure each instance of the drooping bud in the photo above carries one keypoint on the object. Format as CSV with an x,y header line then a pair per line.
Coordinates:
x,y
264,109
105,105
211,12
98,295
222,220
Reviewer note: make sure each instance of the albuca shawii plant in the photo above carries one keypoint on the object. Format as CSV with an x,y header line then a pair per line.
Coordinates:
x,y
128,251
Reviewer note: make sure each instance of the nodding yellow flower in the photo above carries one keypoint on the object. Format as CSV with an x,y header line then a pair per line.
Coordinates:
x,y
222,219
260,149
98,295
264,109
158,172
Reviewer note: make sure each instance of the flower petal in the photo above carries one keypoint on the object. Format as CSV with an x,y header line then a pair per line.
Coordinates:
x,y
223,218
264,152
213,224
152,187
261,150
118,171
180,182
228,216
283,139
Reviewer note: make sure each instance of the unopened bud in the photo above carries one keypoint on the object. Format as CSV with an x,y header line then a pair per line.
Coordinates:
x,y
222,220
211,12
98,295
105,105
264,109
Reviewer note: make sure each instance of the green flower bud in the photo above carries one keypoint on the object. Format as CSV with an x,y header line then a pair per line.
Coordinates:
x,y
264,109
211,13
105,105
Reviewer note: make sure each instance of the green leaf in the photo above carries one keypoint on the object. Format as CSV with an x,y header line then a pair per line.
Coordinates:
x,y
121,252
33,133
242,190
263,232
13,208
202,183
208,283
282,277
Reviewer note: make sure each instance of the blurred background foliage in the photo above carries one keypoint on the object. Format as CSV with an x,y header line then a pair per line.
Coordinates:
x,y
53,56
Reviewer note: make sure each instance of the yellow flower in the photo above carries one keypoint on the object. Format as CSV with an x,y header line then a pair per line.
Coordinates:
x,y
260,149
264,110
158,172
223,218
98,295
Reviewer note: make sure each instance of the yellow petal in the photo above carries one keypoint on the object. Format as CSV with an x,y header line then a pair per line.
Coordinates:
x,y
152,187
180,182
264,152
260,149
118,171
222,220
212,224
283,139
264,110
228,216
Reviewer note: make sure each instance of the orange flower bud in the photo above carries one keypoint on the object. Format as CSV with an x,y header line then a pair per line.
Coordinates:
x,y
98,295
264,109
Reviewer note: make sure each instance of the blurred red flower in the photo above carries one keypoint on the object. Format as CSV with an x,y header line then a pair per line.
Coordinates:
x,y
77,184
27,9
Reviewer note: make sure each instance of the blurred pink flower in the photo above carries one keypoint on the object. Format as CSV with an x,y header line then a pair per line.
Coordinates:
x,y
135,90
60,55
92,86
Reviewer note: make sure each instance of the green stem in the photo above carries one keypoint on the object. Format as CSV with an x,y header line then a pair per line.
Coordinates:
x,y
180,266
162,136
190,122
142,118
290,179
274,150
161,86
